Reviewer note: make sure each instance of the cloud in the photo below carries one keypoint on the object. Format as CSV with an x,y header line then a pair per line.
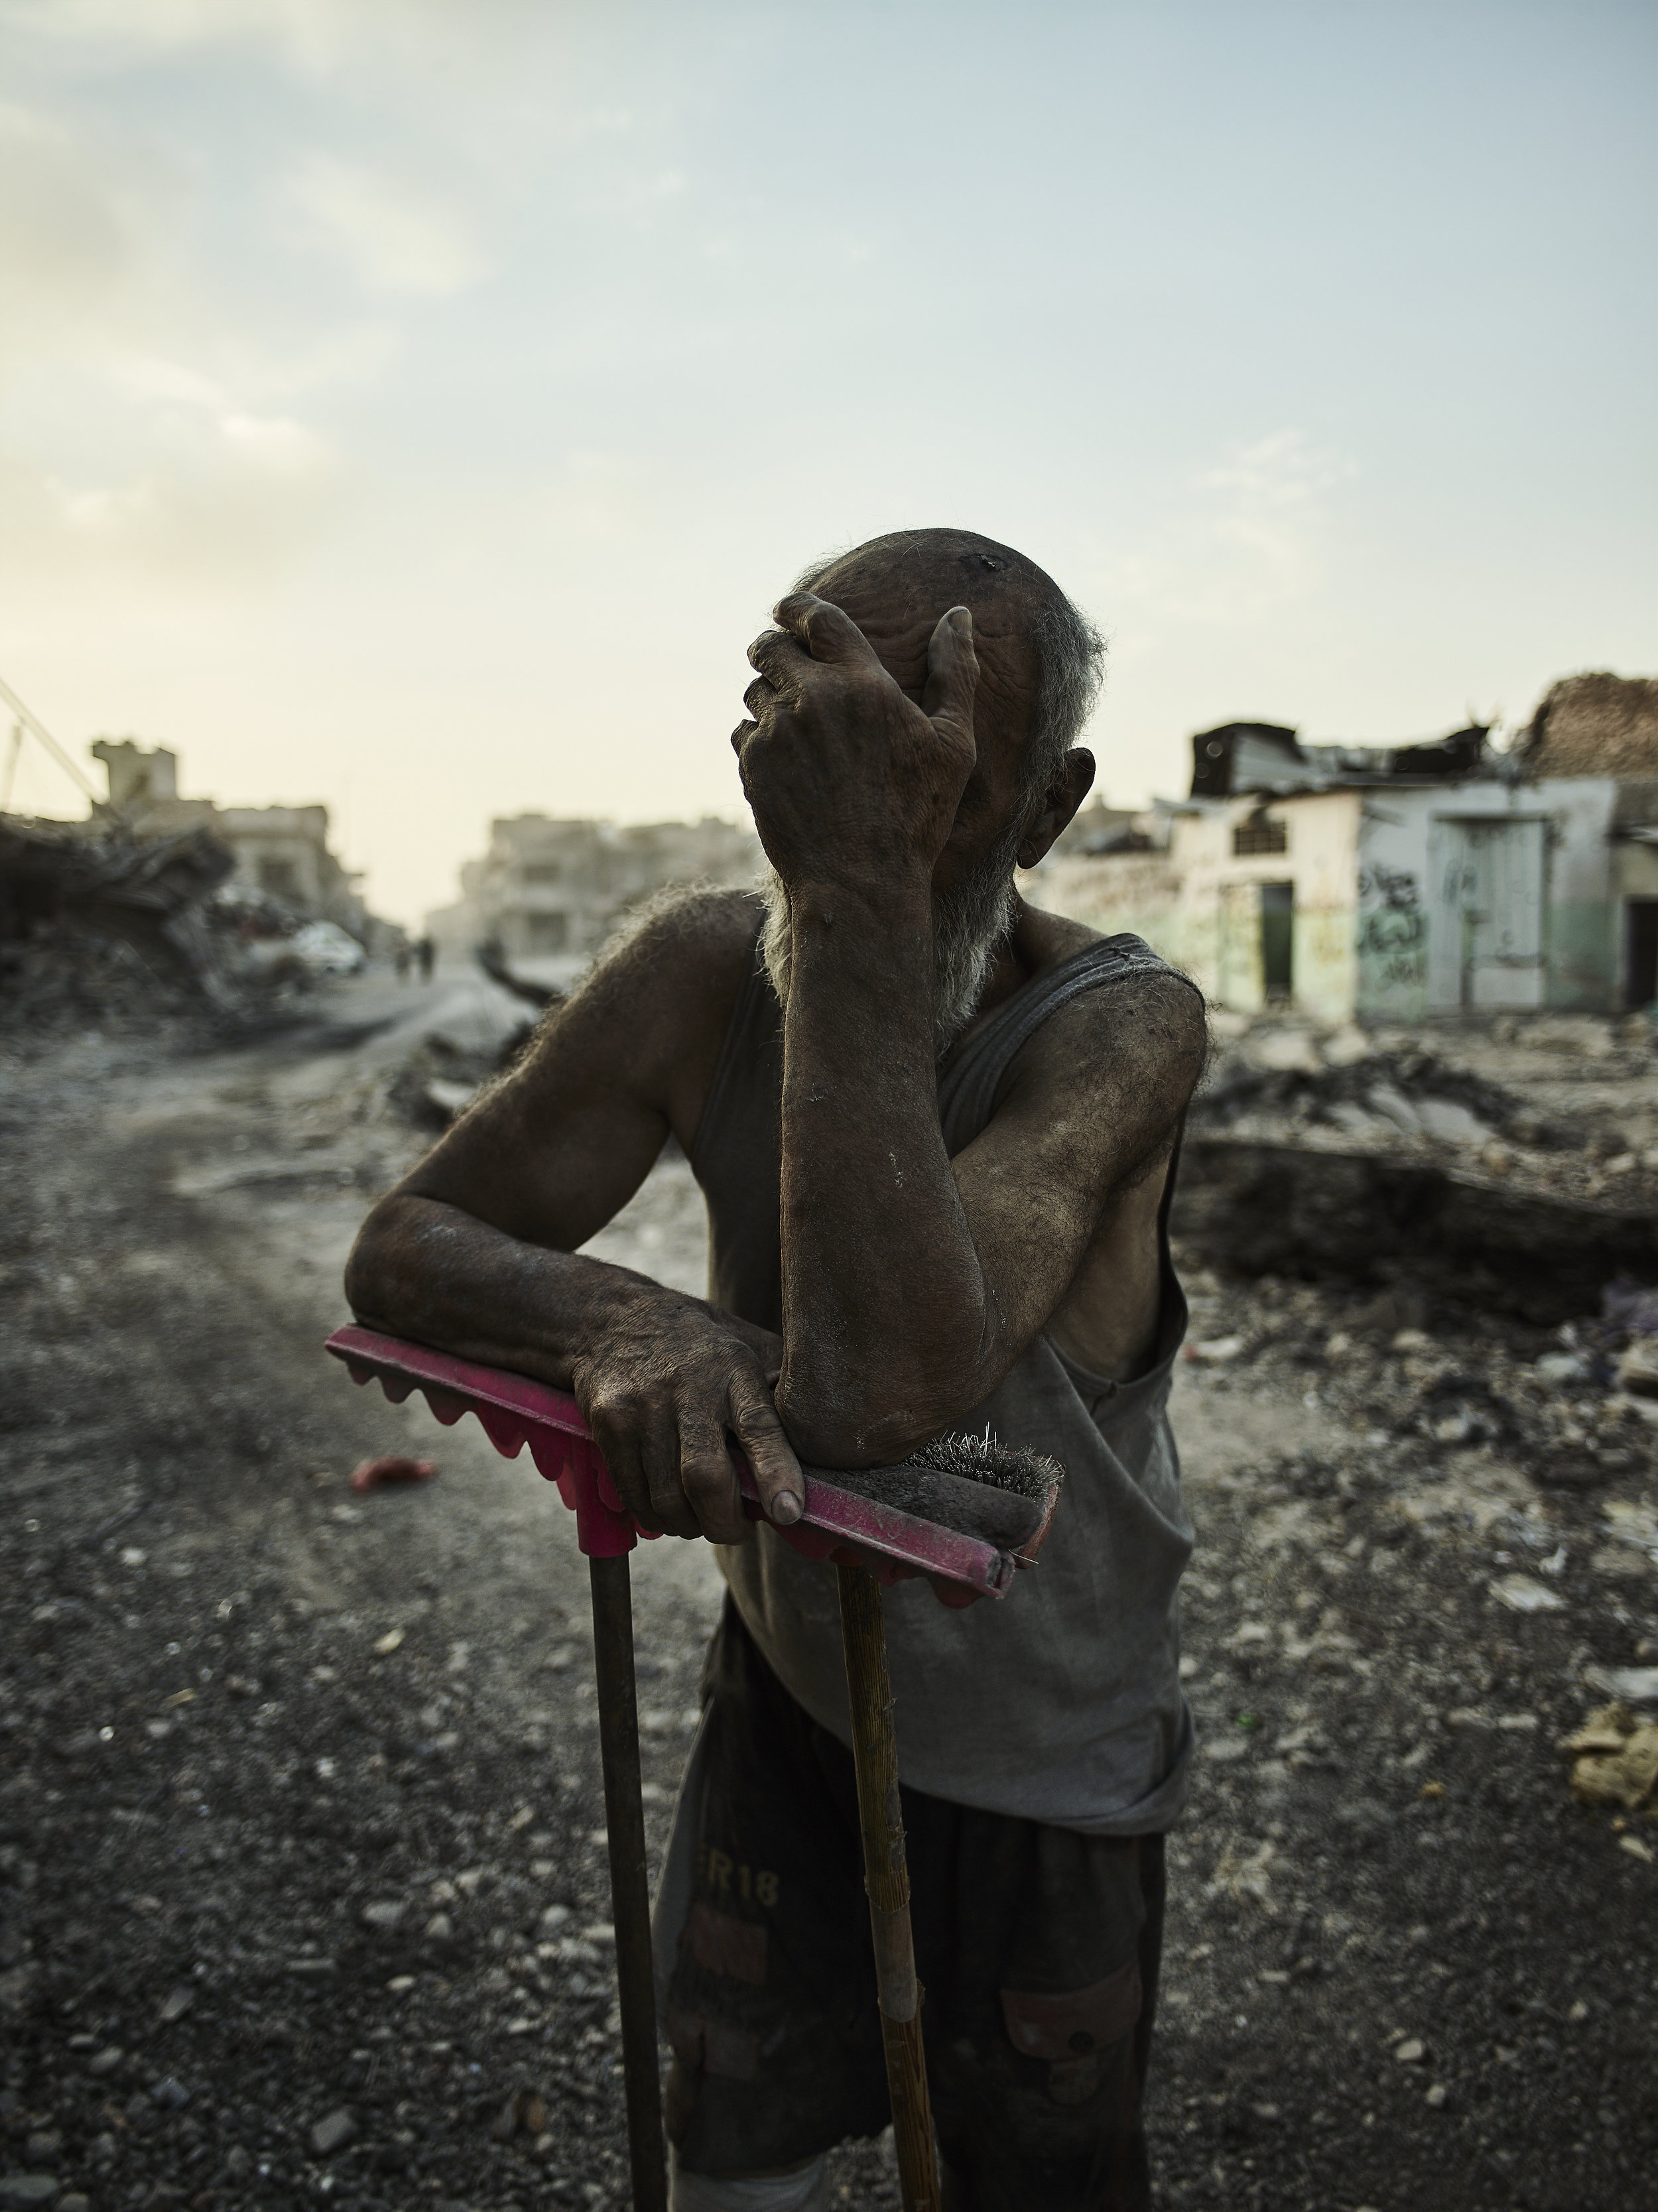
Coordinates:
x,y
313,32
1249,540
77,223
399,241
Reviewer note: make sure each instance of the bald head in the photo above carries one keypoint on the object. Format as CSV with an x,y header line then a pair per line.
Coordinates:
x,y
1041,659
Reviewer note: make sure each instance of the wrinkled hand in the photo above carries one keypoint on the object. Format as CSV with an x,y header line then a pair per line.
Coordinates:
x,y
850,781
671,1378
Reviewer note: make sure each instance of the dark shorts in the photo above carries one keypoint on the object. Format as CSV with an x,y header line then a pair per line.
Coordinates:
x,y
1038,1948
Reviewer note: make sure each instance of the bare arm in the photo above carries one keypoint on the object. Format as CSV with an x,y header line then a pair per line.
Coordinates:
x,y
476,1250
911,1285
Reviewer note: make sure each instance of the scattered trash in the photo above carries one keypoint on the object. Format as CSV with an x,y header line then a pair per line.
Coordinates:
x,y
383,1473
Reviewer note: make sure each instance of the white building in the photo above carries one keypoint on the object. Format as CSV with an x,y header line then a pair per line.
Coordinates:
x,y
1352,883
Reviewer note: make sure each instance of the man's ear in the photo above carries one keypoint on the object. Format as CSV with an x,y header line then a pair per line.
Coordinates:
x,y
1065,795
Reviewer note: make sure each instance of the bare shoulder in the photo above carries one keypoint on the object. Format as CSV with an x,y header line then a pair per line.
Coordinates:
x,y
658,1002
1128,1053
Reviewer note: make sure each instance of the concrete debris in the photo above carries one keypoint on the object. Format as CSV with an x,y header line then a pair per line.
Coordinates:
x,y
1615,1759
1638,1686
107,927
1521,1594
1338,1153
444,1073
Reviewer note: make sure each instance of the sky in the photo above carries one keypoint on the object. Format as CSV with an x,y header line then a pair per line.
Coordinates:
x,y
419,406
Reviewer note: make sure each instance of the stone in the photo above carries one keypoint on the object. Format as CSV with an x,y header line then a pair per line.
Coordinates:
x,y
332,2132
385,1917
552,1919
1411,2052
43,2145
1283,1051
21,2191
440,1928
105,2062
178,2005
1451,1123
75,2202
171,2093
1520,1594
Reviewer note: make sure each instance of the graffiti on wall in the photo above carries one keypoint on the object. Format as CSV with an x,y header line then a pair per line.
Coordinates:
x,y
1392,929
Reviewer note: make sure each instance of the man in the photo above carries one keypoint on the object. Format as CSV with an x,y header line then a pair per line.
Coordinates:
x,y
935,1130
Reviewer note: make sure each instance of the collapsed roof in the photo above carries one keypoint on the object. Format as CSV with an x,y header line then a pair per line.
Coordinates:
x,y
1264,756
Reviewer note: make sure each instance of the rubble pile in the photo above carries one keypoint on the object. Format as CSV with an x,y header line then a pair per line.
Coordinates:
x,y
1355,1156
445,1071
96,925
125,933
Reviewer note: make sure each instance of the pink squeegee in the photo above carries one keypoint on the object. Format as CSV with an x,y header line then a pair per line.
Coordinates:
x,y
843,1521
876,1526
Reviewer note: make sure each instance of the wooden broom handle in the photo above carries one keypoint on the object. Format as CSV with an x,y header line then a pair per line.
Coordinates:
x,y
629,1892
886,1879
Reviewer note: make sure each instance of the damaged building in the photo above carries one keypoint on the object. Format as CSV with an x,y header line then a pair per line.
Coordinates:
x,y
281,854
1396,882
551,891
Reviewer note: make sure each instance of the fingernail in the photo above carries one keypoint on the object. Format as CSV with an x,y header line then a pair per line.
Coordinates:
x,y
962,622
785,1509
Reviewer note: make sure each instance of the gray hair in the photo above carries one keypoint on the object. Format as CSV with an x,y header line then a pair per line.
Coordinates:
x,y
1070,667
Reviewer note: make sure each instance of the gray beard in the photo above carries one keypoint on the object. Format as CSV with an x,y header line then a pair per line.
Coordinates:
x,y
969,922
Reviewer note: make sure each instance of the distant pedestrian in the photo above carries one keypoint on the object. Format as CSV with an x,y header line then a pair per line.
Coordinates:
x,y
402,956
426,954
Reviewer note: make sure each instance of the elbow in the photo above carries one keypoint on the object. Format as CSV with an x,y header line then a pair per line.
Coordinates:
x,y
369,1269
853,1426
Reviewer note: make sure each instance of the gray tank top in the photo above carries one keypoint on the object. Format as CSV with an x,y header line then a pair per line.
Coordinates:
x,y
1061,1702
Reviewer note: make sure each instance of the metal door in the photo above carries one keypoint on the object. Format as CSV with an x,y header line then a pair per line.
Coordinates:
x,y
1485,947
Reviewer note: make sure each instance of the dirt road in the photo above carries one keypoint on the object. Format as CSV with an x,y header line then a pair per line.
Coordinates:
x,y
300,1818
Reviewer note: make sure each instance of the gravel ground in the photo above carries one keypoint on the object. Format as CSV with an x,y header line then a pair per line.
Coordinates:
x,y
300,1842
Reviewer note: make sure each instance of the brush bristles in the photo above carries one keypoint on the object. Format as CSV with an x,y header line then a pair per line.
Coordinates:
x,y
982,1459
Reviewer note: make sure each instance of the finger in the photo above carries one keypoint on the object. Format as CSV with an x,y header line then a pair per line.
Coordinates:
x,y
829,633
951,673
640,1449
616,1435
761,697
779,658
777,1477
740,736
660,1455
708,1479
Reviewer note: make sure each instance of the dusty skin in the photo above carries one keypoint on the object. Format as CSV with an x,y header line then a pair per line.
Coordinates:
x,y
335,1864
